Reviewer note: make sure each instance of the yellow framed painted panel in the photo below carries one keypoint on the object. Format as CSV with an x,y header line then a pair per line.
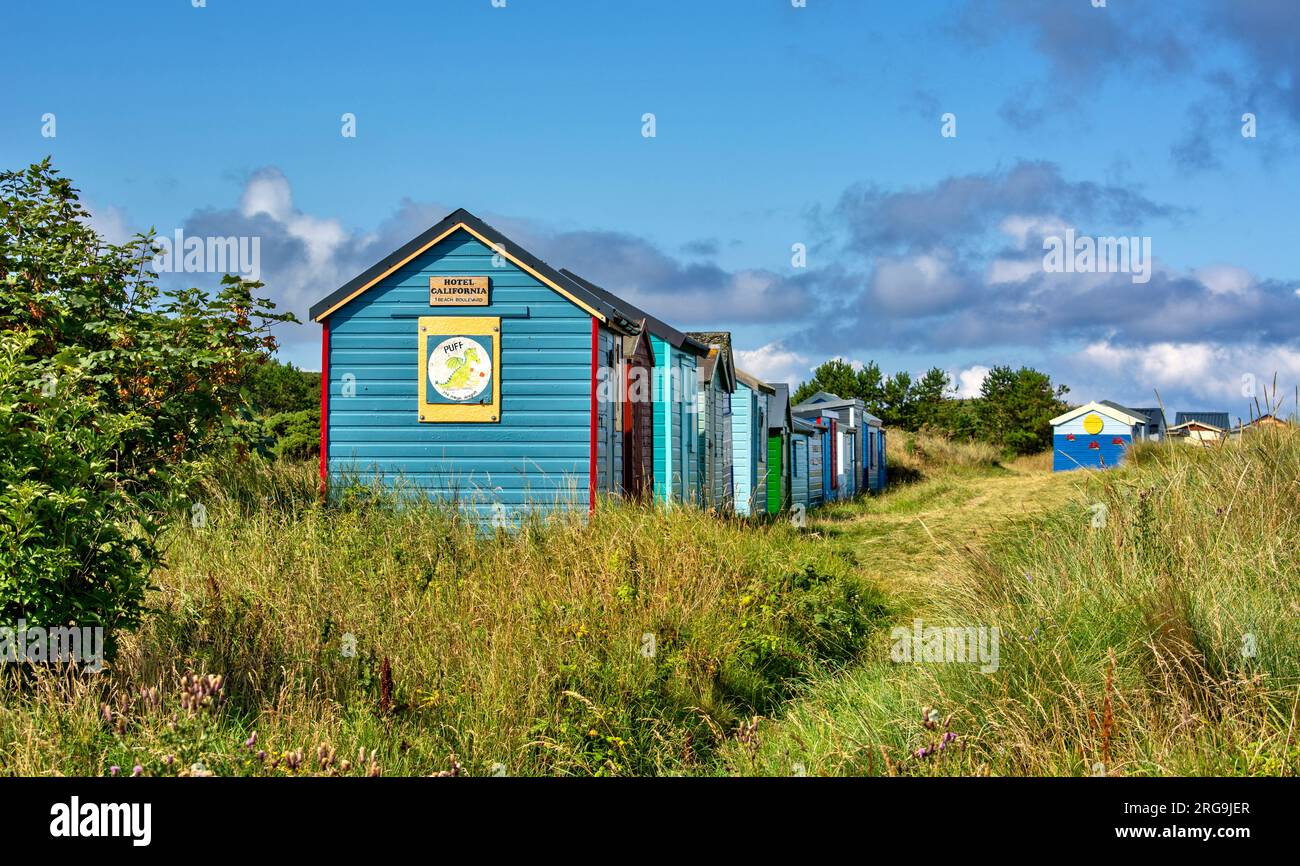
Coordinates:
x,y
463,335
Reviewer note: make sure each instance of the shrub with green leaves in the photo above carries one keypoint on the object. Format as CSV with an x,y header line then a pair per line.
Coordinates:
x,y
112,392
296,434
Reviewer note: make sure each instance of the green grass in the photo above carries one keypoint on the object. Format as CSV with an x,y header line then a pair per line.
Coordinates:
x,y
1121,648
1165,641
524,653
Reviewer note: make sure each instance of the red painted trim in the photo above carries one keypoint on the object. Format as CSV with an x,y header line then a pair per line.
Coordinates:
x,y
324,401
835,454
595,367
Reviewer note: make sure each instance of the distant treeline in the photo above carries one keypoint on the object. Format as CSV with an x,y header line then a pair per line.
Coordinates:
x,y
1012,412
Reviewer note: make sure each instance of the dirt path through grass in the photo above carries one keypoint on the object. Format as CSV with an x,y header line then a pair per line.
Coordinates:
x,y
902,541
899,537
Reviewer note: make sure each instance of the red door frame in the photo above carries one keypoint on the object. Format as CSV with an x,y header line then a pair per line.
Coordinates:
x,y
595,367
324,404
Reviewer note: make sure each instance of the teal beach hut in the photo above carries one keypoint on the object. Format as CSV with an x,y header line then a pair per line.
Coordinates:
x,y
463,368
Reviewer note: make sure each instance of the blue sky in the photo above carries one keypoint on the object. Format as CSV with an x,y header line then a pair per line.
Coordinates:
x,y
775,125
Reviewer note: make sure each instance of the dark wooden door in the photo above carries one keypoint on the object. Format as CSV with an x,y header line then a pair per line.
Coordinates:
x,y
638,421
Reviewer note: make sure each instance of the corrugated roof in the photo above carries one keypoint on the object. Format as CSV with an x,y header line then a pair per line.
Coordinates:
x,y
1137,413
1154,414
1214,419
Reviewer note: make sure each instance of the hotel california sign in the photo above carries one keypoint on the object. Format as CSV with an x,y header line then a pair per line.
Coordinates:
x,y
458,291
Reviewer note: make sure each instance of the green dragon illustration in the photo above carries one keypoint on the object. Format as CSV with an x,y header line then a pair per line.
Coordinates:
x,y
460,370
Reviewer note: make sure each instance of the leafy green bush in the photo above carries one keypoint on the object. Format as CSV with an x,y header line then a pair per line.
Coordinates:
x,y
296,434
111,393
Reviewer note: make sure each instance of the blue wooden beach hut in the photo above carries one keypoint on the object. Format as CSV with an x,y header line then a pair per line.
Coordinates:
x,y
804,471
717,381
1094,435
463,367
749,411
873,458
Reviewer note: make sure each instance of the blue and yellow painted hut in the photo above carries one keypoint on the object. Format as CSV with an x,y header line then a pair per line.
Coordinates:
x,y
1095,435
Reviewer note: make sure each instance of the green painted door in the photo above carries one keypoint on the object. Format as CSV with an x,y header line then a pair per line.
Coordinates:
x,y
775,471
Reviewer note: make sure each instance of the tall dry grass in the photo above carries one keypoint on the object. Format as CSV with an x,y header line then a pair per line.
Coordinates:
x,y
633,644
911,456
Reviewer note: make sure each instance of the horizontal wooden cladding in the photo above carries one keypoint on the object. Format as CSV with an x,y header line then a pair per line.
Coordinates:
x,y
402,326
546,416
401,342
459,251
538,452
396,373
394,396
543,475
347,359
555,449
556,432
399,312
545,483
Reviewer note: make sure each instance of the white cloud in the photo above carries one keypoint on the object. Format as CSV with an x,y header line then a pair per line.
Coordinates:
x,y
916,285
1223,374
970,380
774,363
1225,279
1013,270
110,222
1029,231
267,192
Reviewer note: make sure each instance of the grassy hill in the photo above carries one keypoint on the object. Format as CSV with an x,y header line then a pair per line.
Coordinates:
x,y
361,638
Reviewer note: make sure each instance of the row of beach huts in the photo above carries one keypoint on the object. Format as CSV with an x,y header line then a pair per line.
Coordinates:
x,y
466,368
